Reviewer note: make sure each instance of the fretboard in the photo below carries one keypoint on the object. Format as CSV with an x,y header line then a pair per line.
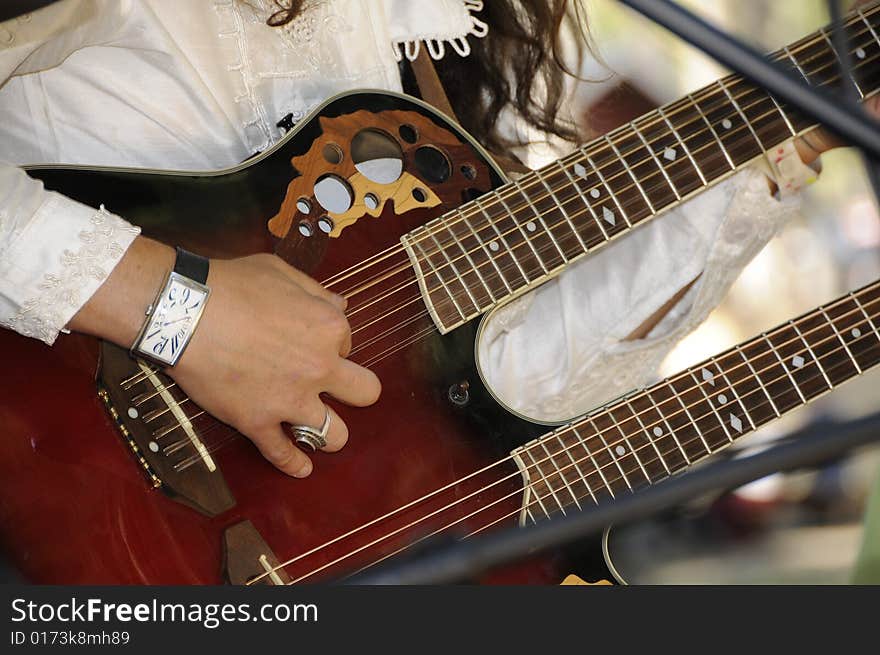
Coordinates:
x,y
527,231
653,433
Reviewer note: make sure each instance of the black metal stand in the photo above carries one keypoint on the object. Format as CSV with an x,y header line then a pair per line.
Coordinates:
x,y
846,119
464,560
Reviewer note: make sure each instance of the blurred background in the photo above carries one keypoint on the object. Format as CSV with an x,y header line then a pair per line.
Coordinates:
x,y
801,527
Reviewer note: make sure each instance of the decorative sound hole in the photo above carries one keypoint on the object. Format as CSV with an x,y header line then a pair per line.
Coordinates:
x,y
377,156
305,228
334,194
325,224
304,206
420,194
371,201
332,153
408,133
433,164
469,171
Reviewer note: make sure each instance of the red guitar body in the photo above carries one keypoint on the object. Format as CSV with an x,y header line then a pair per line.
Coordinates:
x,y
77,501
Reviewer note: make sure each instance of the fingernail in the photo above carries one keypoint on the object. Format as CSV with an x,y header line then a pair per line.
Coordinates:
x,y
304,471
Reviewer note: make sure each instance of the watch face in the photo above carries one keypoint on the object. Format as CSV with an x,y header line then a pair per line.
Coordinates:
x,y
174,318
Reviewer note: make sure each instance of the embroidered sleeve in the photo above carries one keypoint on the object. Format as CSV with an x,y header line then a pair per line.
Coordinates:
x,y
54,254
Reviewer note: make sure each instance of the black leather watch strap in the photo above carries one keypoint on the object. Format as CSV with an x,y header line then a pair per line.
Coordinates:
x,y
190,265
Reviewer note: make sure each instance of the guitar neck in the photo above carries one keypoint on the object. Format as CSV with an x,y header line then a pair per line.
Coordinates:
x,y
653,433
505,243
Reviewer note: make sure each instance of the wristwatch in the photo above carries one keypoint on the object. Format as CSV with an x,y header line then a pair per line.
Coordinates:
x,y
174,314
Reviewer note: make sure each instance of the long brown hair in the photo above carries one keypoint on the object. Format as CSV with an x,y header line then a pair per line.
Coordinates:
x,y
518,64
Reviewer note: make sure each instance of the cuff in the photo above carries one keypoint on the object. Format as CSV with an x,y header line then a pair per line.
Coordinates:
x,y
57,263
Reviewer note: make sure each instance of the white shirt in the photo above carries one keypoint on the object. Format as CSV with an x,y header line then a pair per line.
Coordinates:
x,y
201,85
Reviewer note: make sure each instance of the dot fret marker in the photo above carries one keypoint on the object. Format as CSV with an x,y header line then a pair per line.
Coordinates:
x,y
493,246
595,193
797,361
722,398
726,124
531,227
620,450
860,53
670,154
856,332
658,432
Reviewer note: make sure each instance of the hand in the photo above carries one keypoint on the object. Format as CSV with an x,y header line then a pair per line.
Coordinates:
x,y
270,341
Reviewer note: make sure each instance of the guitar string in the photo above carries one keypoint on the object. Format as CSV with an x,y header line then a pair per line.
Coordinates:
x,y
621,131
750,89
194,459
860,18
538,499
871,333
491,266
378,338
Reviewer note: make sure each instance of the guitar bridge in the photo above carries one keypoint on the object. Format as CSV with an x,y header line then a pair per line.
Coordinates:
x,y
160,433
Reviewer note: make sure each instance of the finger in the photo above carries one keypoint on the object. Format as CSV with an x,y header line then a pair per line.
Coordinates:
x,y
353,384
281,453
312,287
337,434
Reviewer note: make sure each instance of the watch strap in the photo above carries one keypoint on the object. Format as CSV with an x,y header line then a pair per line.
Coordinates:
x,y
191,265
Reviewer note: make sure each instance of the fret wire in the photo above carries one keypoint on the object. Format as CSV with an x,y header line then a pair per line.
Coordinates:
x,y
593,459
552,459
742,115
489,255
540,218
657,161
797,65
577,468
631,174
839,59
648,436
608,189
456,273
585,201
507,247
525,236
784,116
562,209
711,406
691,418
812,354
712,129
632,450
865,314
610,452
840,338
684,146
668,427
868,23
473,265
784,367
733,390
758,380
585,477
538,496
439,277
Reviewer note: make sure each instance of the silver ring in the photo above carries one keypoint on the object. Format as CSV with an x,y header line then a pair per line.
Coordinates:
x,y
314,438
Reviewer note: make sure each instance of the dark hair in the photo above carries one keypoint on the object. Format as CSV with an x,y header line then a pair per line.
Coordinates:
x,y
518,64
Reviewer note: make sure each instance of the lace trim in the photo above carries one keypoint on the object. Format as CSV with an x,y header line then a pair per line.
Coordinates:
x,y
60,295
436,45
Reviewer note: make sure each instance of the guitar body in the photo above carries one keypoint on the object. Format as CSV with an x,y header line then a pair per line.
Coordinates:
x,y
78,503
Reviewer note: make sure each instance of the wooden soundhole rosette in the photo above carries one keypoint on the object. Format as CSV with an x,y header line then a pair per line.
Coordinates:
x,y
364,160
